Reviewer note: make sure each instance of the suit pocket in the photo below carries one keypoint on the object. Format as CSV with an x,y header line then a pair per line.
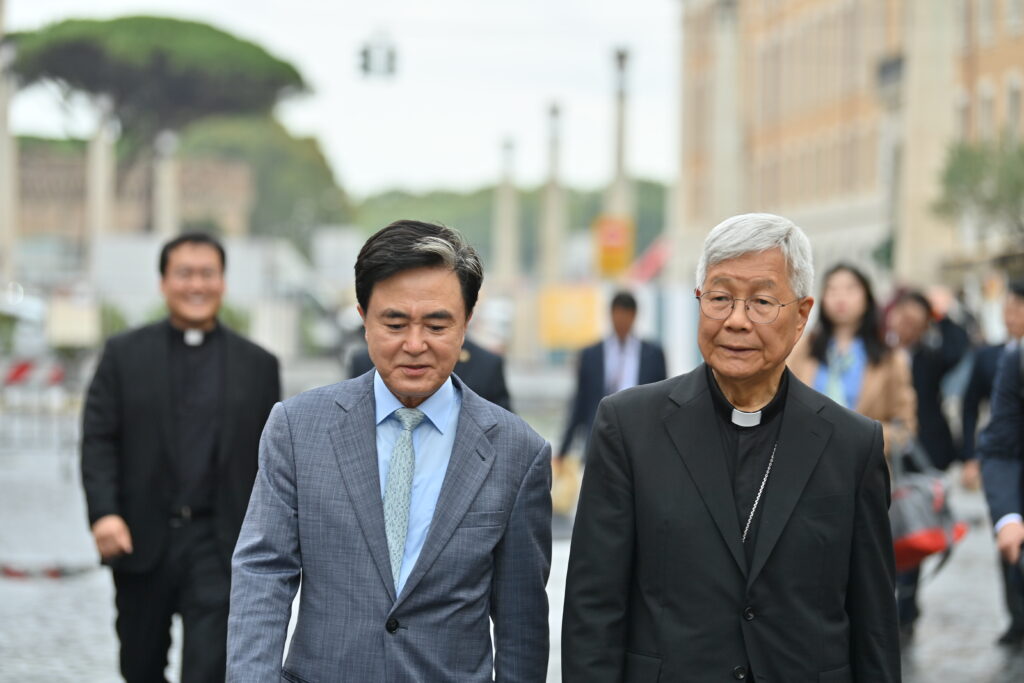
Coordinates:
x,y
642,668
287,675
843,675
479,519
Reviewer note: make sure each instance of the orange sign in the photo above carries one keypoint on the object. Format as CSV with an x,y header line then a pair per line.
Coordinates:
x,y
614,237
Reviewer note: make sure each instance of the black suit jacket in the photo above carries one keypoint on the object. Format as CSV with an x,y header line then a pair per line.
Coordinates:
x,y
590,386
483,371
659,588
978,391
128,438
999,448
929,365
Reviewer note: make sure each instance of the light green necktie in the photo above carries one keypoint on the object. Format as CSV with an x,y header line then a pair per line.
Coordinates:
x,y
398,489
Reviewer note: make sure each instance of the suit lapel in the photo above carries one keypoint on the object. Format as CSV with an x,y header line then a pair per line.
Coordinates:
x,y
693,428
470,463
355,446
802,439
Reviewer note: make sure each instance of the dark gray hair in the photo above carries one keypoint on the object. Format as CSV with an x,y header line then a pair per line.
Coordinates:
x,y
408,244
753,232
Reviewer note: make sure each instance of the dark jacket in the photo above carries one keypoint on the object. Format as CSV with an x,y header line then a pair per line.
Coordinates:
x,y
128,438
483,371
591,386
659,587
929,365
999,443
978,392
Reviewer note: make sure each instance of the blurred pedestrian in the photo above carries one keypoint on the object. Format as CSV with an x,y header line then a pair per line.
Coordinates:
x,y
619,361
1000,452
481,370
411,512
846,357
171,428
936,345
733,522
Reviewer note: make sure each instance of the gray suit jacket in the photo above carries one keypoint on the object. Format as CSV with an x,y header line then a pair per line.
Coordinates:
x,y
316,513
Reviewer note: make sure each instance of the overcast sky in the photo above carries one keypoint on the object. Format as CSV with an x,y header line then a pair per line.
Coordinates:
x,y
471,72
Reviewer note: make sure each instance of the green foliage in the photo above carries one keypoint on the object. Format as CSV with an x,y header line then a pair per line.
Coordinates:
x,y
472,213
68,147
159,73
985,181
7,325
112,320
295,189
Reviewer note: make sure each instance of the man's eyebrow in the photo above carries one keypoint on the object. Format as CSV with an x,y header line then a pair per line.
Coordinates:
x,y
439,315
756,284
393,314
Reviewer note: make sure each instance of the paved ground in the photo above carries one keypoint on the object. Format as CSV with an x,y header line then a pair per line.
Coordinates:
x,y
54,630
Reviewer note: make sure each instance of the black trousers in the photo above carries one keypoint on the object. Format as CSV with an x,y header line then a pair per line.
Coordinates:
x,y
191,580
1013,590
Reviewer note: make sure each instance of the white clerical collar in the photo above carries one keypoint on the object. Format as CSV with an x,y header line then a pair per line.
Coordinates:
x,y
742,419
194,337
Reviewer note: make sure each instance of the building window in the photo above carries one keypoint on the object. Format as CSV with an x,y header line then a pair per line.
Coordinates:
x,y
1013,110
1015,16
963,119
986,22
986,114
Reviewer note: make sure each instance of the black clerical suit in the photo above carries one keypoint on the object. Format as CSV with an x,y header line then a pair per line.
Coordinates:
x,y
661,586
170,440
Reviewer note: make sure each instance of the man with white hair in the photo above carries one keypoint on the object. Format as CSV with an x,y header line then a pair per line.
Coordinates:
x,y
733,523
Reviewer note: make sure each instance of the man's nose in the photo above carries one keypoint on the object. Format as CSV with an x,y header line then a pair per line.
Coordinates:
x,y
415,340
738,318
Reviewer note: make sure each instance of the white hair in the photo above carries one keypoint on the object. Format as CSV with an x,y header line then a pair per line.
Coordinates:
x,y
755,232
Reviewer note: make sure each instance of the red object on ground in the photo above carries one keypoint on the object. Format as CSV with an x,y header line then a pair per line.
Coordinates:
x,y
18,372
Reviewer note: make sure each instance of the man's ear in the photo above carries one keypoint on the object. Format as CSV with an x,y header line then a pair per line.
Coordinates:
x,y
362,313
804,309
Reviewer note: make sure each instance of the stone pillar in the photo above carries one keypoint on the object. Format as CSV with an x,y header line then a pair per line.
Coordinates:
x,y
8,166
100,184
727,168
922,240
618,199
505,242
166,186
553,211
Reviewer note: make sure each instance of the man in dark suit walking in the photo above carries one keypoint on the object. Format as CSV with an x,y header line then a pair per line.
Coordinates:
x,y
618,362
171,432
733,522
1001,466
483,371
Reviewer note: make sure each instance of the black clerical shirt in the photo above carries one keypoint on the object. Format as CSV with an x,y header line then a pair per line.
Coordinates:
x,y
747,453
197,388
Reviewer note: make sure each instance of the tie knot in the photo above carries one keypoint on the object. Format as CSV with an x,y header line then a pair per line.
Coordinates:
x,y
409,417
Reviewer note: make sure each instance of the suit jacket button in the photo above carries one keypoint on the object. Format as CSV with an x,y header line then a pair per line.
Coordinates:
x,y
391,625
739,673
748,614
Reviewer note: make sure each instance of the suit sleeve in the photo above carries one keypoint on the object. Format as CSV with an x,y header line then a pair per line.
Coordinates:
x,y
999,442
576,409
973,396
522,562
870,599
101,438
267,562
600,560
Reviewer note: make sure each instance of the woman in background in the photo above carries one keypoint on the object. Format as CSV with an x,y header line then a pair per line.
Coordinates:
x,y
846,357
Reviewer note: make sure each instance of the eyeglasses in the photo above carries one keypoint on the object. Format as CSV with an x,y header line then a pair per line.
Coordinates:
x,y
761,308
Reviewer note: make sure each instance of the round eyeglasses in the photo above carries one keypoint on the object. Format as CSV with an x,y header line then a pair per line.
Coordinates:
x,y
760,308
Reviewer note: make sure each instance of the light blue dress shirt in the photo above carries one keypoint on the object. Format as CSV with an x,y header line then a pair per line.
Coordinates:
x,y
432,443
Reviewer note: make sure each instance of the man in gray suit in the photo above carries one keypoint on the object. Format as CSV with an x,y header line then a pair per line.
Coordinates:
x,y
412,512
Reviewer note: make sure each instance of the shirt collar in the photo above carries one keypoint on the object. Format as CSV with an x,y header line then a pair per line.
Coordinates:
x,y
437,408
724,408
